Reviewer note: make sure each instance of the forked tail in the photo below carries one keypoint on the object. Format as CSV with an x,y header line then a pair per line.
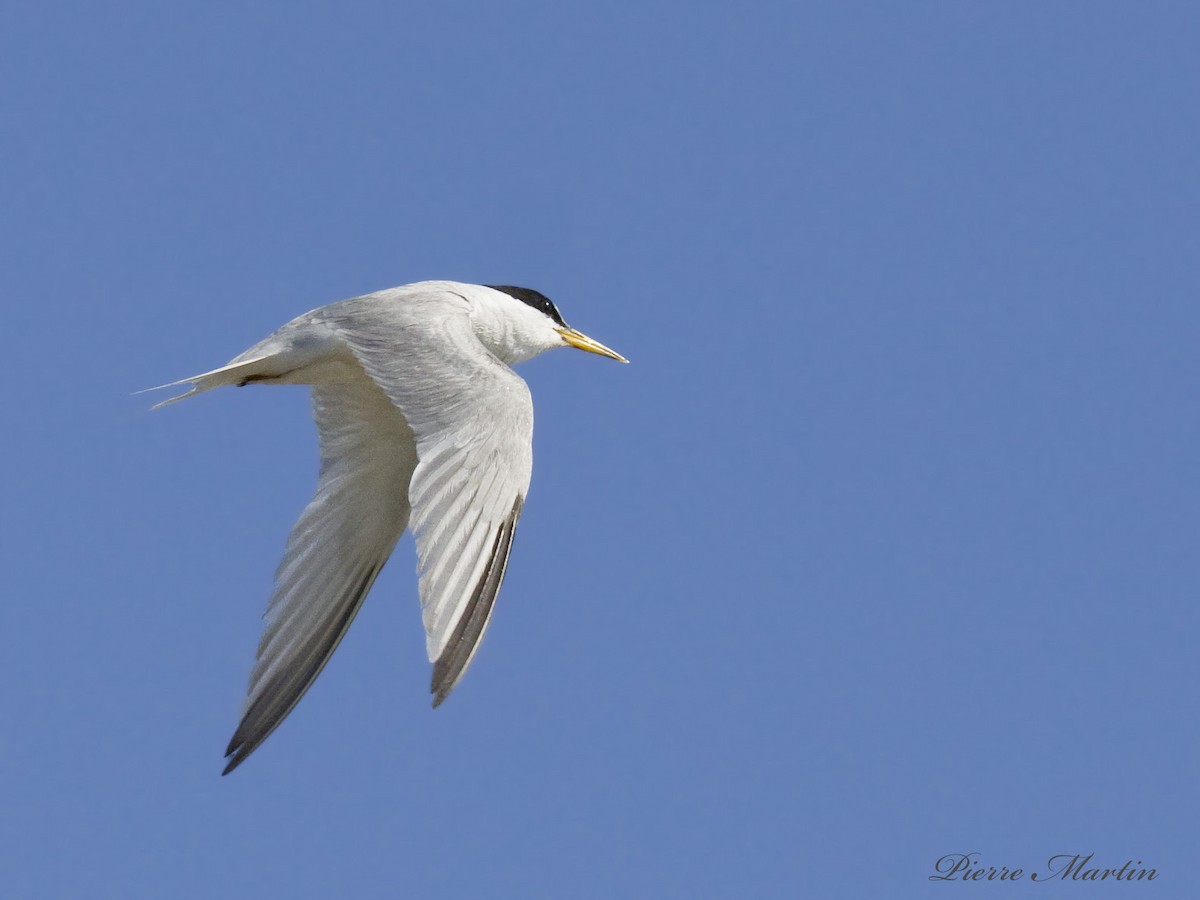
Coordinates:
x,y
238,372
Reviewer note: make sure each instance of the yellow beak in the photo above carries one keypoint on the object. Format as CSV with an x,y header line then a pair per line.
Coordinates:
x,y
583,342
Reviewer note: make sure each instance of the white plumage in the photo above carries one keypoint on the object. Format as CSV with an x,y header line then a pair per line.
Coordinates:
x,y
421,421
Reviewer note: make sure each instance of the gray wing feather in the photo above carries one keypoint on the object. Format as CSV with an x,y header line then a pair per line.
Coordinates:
x,y
472,420
335,550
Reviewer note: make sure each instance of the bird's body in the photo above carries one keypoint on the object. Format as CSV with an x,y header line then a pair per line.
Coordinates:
x,y
421,422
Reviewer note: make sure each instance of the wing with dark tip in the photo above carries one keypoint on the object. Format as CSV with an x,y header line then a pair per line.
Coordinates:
x,y
335,550
472,419
469,629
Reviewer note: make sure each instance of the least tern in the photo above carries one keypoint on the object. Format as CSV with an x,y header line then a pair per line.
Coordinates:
x,y
421,422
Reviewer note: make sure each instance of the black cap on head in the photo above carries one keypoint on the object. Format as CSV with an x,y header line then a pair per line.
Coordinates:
x,y
532,298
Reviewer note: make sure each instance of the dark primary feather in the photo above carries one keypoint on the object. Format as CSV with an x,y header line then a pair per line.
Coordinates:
x,y
286,688
463,642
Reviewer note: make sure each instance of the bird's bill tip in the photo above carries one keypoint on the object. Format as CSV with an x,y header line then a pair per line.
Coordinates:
x,y
581,341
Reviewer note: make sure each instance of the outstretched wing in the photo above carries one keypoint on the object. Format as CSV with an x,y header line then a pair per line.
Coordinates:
x,y
335,550
472,418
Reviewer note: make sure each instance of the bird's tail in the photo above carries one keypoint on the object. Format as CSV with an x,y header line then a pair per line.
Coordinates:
x,y
284,357
240,371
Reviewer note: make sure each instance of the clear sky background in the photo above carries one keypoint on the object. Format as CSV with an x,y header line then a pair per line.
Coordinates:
x,y
883,548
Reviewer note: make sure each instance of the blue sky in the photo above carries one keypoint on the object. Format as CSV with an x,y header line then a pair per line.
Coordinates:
x,y
883,548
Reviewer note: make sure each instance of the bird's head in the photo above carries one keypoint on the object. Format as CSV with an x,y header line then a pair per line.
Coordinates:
x,y
524,322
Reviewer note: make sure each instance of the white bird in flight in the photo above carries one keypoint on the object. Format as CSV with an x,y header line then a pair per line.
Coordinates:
x,y
421,421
